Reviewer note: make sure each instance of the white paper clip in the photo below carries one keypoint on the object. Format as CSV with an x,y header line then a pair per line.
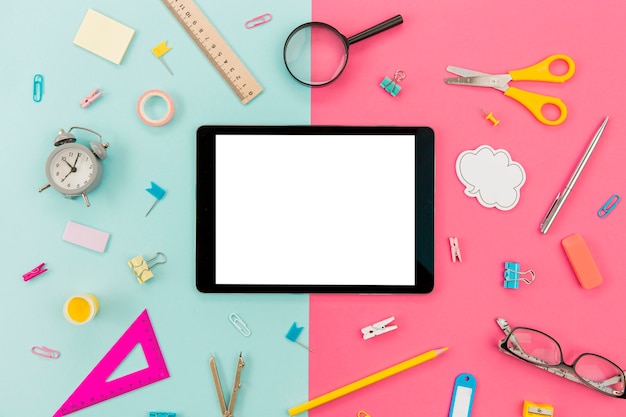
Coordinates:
x,y
455,250
239,324
91,97
378,328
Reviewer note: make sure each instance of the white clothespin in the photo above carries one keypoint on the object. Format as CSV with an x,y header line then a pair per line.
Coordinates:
x,y
455,250
378,328
91,97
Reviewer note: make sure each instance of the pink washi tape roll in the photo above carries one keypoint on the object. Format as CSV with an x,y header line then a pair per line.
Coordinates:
x,y
142,112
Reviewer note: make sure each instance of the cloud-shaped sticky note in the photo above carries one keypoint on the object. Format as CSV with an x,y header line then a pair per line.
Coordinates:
x,y
491,176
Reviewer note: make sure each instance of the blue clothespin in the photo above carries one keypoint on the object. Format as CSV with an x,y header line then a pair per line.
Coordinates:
x,y
294,333
157,192
391,86
512,275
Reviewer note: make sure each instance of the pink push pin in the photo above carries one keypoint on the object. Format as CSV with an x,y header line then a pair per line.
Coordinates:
x,y
34,272
91,97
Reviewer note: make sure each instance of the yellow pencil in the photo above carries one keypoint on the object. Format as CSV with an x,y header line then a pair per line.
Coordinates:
x,y
368,380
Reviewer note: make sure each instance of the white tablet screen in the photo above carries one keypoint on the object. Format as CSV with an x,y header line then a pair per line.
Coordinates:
x,y
315,209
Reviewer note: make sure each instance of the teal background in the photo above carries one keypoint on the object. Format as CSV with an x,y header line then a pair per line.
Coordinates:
x,y
36,37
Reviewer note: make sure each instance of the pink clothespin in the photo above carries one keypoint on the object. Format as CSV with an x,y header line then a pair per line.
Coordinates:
x,y
455,250
91,97
34,272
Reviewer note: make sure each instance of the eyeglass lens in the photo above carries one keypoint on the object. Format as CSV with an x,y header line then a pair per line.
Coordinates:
x,y
542,350
535,347
315,54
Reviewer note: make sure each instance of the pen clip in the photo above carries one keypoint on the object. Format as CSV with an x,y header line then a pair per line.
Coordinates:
x,y
550,215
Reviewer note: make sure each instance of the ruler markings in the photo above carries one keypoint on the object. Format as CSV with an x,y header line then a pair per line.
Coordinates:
x,y
215,48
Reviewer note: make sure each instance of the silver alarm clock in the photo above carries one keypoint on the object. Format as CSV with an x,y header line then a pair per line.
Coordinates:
x,y
73,169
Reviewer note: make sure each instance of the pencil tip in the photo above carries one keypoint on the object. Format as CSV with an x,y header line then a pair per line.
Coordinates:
x,y
440,351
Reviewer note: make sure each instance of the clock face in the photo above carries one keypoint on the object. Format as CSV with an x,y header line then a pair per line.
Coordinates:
x,y
72,169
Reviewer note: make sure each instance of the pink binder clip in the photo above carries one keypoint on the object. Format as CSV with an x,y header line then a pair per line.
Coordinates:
x,y
91,97
34,272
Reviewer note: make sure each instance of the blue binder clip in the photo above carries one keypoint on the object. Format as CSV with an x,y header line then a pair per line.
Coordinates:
x,y
512,275
391,86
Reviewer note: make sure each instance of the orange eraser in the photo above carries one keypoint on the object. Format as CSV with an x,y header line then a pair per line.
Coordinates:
x,y
582,262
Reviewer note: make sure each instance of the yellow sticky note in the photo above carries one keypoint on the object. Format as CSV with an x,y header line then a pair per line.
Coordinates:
x,y
103,36
161,49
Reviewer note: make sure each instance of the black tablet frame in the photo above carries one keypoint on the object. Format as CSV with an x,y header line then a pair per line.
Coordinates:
x,y
424,208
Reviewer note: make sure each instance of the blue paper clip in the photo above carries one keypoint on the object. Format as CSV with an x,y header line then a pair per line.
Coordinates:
x,y
512,275
608,206
391,86
37,87
162,414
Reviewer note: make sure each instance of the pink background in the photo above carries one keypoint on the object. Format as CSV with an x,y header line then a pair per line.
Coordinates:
x,y
489,36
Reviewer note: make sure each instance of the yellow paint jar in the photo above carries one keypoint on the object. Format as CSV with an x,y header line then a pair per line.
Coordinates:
x,y
81,308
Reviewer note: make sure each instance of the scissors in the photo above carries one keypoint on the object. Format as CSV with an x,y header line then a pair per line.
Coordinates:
x,y
532,101
227,412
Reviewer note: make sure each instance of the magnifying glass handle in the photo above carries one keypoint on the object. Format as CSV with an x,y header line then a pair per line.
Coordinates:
x,y
387,24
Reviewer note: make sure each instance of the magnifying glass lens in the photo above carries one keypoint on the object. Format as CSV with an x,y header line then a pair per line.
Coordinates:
x,y
315,53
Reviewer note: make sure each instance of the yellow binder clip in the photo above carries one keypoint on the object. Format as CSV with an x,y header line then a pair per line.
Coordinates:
x,y
537,410
141,267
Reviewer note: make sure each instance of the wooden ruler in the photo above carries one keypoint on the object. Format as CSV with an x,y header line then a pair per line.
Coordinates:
x,y
96,388
215,48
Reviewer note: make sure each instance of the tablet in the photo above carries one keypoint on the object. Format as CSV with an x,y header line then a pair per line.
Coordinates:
x,y
315,209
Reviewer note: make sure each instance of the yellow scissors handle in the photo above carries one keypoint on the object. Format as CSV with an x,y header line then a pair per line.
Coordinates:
x,y
541,71
535,103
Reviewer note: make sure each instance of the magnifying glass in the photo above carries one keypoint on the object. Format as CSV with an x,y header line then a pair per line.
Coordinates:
x,y
316,53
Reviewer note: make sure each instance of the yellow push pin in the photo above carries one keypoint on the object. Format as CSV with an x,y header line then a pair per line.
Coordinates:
x,y
160,50
491,118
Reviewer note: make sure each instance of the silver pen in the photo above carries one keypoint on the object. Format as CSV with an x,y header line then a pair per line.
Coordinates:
x,y
561,197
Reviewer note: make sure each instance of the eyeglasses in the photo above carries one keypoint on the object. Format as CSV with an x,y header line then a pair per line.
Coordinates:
x,y
541,350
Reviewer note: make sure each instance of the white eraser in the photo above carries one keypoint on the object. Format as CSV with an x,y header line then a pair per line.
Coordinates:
x,y
86,237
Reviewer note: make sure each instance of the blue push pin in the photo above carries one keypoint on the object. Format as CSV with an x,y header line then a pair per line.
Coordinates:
x,y
294,333
157,192
391,86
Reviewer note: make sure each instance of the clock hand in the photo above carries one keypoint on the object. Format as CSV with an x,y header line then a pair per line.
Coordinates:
x,y
65,160
74,167
63,179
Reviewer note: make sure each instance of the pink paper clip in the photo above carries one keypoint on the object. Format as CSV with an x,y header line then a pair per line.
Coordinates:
x,y
46,352
34,272
259,20
91,97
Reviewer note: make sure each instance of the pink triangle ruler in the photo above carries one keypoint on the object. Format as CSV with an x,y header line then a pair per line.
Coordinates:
x,y
95,388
